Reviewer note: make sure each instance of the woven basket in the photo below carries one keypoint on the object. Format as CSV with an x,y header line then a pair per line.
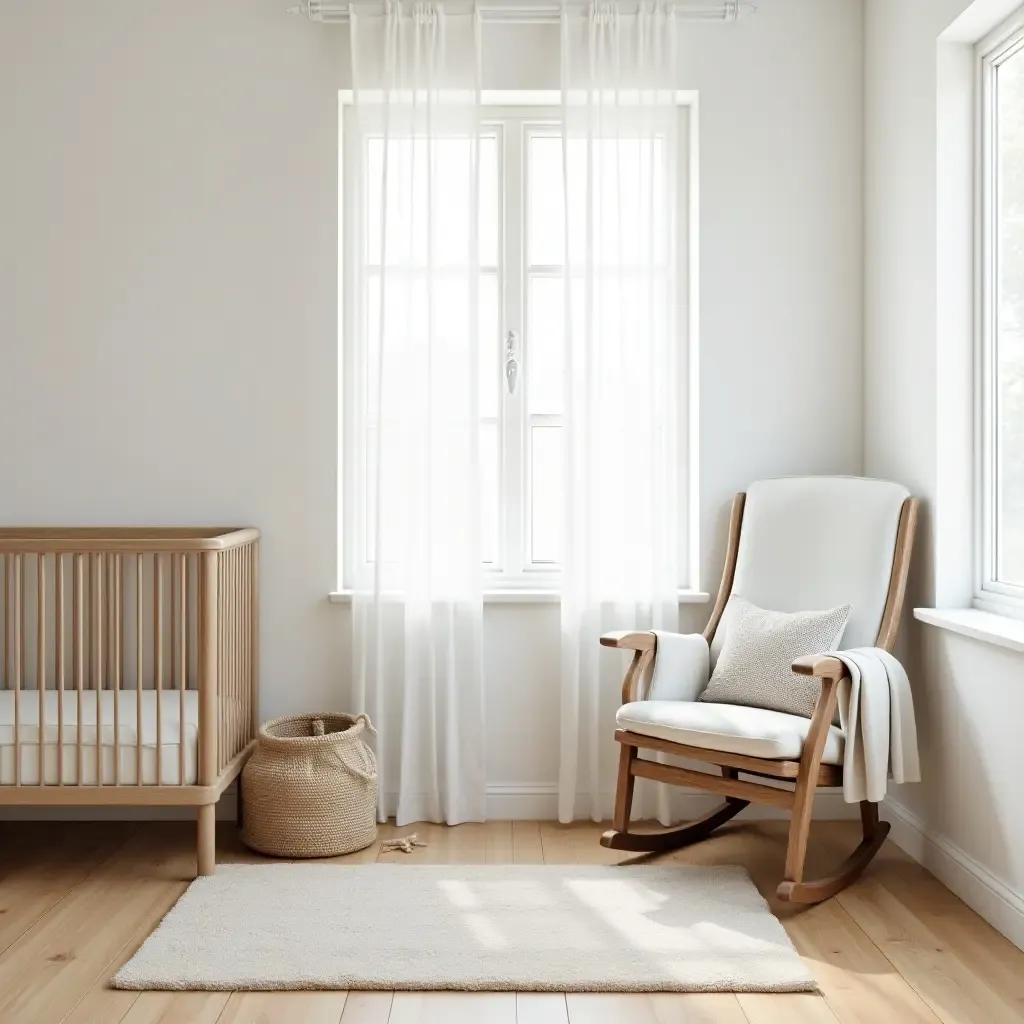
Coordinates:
x,y
310,787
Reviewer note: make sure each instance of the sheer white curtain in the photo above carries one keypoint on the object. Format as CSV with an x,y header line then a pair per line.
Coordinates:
x,y
622,418
417,613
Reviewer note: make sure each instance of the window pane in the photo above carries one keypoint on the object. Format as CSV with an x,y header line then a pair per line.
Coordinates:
x,y
434,208
626,180
490,492
1010,324
490,201
631,218
546,493
490,345
546,216
544,344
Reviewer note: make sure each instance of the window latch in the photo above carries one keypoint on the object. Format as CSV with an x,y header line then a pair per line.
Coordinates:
x,y
511,363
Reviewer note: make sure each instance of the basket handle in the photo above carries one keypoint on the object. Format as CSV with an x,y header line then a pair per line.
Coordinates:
x,y
367,771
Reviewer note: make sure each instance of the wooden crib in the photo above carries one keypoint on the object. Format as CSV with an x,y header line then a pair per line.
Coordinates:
x,y
129,667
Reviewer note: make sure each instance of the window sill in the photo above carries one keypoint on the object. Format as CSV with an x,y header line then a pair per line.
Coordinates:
x,y
532,597
988,627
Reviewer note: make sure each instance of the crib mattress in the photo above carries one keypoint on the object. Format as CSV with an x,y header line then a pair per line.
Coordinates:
x,y
99,759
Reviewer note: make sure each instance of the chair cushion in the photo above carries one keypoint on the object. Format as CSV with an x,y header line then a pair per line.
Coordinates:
x,y
756,663
727,727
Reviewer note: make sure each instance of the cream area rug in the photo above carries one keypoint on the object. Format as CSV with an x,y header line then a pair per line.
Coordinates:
x,y
515,927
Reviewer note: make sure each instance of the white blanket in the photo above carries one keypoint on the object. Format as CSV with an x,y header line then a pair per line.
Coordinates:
x,y
876,712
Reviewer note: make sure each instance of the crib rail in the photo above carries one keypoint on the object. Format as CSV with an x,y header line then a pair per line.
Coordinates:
x,y
128,659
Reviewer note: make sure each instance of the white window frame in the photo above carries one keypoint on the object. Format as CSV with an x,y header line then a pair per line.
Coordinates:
x,y
990,594
519,114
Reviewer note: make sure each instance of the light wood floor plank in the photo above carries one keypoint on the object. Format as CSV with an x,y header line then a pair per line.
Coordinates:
x,y
697,1008
367,1008
609,1008
653,1008
177,1008
283,1008
798,1008
453,1008
541,1008
858,982
560,843
978,945
930,966
526,845
466,844
102,1005
499,842
45,974
51,870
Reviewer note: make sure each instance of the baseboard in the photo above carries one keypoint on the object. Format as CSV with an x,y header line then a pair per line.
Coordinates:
x,y
991,897
522,801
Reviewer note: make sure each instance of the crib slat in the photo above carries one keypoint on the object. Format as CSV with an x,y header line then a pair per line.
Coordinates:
x,y
113,653
243,632
237,629
6,668
225,703
239,650
182,660
247,693
222,675
208,665
158,656
254,682
243,623
172,610
41,660
230,737
232,648
19,652
58,655
243,576
138,669
96,623
223,708
78,651
58,668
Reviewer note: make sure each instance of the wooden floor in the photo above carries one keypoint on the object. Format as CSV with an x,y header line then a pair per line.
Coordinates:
x,y
77,899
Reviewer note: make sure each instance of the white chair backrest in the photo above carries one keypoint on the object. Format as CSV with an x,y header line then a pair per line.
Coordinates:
x,y
811,543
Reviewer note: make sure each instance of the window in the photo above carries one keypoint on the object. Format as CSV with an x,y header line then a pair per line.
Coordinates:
x,y
1001,318
521,312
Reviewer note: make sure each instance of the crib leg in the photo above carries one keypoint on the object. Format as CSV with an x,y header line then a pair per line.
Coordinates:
x,y
207,837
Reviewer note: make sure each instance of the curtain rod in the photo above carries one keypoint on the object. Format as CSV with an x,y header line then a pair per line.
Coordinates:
x,y
538,12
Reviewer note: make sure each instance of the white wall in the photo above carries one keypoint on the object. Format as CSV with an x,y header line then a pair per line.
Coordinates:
x,y
964,820
168,294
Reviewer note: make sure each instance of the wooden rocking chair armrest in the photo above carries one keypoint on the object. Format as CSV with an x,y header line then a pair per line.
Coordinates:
x,y
821,665
629,641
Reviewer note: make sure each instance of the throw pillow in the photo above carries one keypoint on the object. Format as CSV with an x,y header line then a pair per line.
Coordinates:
x,y
755,665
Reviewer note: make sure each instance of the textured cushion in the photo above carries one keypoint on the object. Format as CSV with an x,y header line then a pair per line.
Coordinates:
x,y
818,542
755,666
726,727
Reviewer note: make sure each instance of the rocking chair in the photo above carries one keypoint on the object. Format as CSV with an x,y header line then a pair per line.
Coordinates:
x,y
794,544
